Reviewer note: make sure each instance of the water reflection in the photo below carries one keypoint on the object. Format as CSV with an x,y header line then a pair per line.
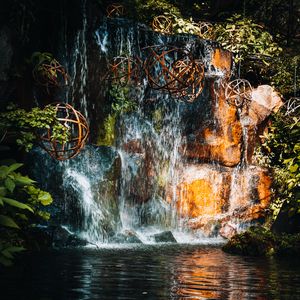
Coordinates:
x,y
151,272
215,275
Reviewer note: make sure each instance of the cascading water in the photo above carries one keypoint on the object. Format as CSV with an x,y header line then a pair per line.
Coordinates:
x,y
148,179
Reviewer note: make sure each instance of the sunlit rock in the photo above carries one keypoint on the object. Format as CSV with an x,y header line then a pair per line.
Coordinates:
x,y
265,100
220,139
210,197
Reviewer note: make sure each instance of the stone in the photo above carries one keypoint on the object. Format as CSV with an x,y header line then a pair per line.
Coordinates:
x,y
164,237
214,198
219,139
227,231
125,237
265,100
62,238
203,190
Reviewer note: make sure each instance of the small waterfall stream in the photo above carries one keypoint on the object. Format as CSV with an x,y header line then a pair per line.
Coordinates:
x,y
139,183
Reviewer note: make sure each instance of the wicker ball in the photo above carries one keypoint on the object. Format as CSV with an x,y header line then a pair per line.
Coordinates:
x,y
115,10
238,92
50,74
77,127
174,70
162,24
293,107
205,30
125,69
191,74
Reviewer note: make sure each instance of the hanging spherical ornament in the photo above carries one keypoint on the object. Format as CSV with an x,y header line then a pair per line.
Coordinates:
x,y
124,70
162,24
115,10
238,92
174,70
50,73
293,107
205,30
190,73
76,127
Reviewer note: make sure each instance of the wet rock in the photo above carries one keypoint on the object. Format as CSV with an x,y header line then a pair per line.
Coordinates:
x,y
227,231
220,138
61,238
125,237
203,190
164,237
210,195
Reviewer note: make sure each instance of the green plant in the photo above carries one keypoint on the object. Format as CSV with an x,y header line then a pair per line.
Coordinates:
x,y
21,206
25,125
282,146
146,10
121,103
245,39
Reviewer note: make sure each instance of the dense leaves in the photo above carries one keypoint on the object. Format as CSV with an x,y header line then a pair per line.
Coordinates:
x,y
26,125
245,39
21,206
282,148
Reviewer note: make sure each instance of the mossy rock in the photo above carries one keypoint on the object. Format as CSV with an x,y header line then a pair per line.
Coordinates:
x,y
258,241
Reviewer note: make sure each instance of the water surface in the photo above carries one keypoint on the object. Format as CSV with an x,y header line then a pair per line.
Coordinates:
x,y
151,272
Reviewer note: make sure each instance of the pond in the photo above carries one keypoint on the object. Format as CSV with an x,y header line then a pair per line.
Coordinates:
x,y
151,272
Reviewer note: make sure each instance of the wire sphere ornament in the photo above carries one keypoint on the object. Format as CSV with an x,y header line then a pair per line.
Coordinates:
x,y
125,69
50,74
191,72
115,10
293,107
205,30
77,127
162,24
238,92
159,68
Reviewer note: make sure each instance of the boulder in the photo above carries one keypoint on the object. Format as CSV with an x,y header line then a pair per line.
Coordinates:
x,y
265,100
164,237
125,237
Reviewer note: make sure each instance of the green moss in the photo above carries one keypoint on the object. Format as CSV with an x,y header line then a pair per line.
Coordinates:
x,y
107,135
259,241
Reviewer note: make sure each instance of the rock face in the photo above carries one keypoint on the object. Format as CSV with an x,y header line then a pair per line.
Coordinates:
x,y
164,237
211,196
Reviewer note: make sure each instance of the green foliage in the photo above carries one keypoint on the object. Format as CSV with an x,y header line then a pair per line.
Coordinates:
x,y
121,100
121,103
259,241
109,131
282,147
283,74
21,206
27,124
245,39
146,10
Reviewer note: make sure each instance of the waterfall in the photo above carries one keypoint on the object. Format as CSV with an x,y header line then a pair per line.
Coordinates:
x,y
171,165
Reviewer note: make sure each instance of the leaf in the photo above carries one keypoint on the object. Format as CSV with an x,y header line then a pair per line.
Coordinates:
x,y
2,191
17,204
13,167
45,198
8,222
10,184
23,180
293,168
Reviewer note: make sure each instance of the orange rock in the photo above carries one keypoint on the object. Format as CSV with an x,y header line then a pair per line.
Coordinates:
x,y
210,194
222,142
222,60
